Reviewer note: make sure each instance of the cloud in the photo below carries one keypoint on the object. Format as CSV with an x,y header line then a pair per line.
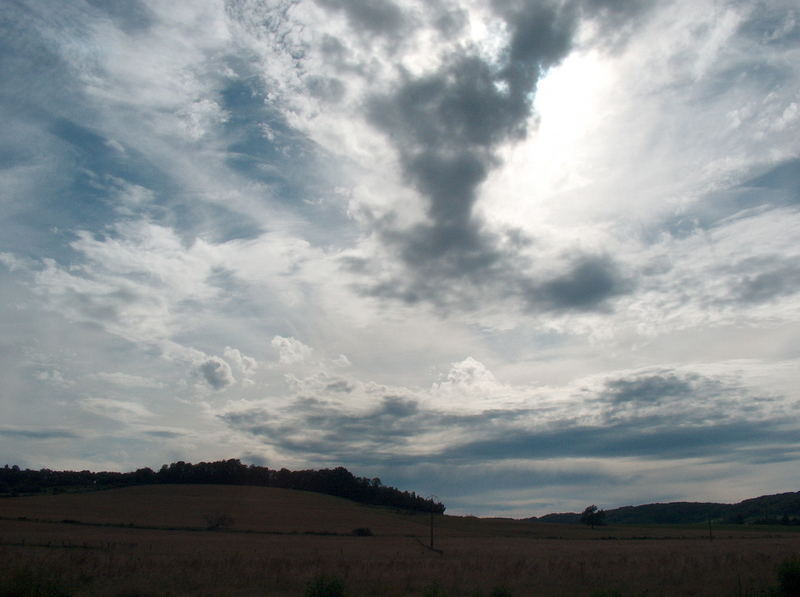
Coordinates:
x,y
247,365
375,17
340,385
128,381
12,262
649,415
38,434
589,283
164,433
342,361
119,410
764,280
132,16
54,377
217,373
616,441
448,126
649,388
290,350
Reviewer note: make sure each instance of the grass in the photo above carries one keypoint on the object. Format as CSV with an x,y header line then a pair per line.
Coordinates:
x,y
323,585
265,551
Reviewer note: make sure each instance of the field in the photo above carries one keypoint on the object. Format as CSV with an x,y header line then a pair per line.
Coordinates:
x,y
155,540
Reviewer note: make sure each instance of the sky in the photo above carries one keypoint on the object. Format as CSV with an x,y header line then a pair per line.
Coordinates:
x,y
521,255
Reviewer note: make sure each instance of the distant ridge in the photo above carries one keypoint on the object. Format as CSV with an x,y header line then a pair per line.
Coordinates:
x,y
779,508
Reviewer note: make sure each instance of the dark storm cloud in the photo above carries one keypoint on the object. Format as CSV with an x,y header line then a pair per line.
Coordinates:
x,y
626,440
217,373
340,385
661,414
649,388
397,425
313,426
447,17
447,127
161,434
463,481
586,285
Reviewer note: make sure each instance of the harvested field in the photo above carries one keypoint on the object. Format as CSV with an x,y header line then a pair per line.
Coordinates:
x,y
276,544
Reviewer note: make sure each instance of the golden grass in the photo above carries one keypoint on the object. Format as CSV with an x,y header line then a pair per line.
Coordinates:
x,y
529,559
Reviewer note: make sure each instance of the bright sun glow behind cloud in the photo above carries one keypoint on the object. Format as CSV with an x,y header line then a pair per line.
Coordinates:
x,y
564,151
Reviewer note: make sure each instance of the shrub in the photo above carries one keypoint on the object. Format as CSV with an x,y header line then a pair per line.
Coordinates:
x,y
500,592
325,586
215,522
433,590
27,581
789,578
362,532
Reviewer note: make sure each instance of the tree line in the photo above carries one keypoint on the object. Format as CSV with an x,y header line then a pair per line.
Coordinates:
x,y
337,481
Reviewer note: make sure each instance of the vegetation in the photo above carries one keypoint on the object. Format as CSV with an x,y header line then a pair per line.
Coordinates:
x,y
325,586
154,541
338,481
593,517
778,509
789,578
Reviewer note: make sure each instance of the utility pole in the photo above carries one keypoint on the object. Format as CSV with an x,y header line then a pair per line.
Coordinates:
x,y
433,500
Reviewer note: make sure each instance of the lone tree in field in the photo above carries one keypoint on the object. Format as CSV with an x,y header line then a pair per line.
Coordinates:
x,y
219,521
593,517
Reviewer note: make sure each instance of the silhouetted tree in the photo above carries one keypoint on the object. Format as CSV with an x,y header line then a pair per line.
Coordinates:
x,y
593,517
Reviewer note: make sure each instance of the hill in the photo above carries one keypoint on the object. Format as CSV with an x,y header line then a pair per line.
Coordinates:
x,y
189,507
337,481
157,540
782,508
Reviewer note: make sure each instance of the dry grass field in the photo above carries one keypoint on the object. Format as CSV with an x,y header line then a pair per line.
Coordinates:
x,y
153,540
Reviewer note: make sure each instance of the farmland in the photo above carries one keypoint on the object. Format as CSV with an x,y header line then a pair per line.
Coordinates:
x,y
156,540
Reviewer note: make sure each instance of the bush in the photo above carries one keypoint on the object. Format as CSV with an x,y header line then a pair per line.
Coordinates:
x,y
325,586
789,578
214,522
362,532
500,592
27,581
433,590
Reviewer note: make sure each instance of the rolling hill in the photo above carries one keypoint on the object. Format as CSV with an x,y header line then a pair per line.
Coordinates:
x,y
782,507
156,540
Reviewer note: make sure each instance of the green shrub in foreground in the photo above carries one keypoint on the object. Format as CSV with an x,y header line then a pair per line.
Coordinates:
x,y
27,581
325,586
789,578
433,590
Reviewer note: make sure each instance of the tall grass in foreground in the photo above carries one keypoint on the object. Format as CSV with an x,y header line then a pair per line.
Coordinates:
x,y
230,565
33,581
789,578
323,585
